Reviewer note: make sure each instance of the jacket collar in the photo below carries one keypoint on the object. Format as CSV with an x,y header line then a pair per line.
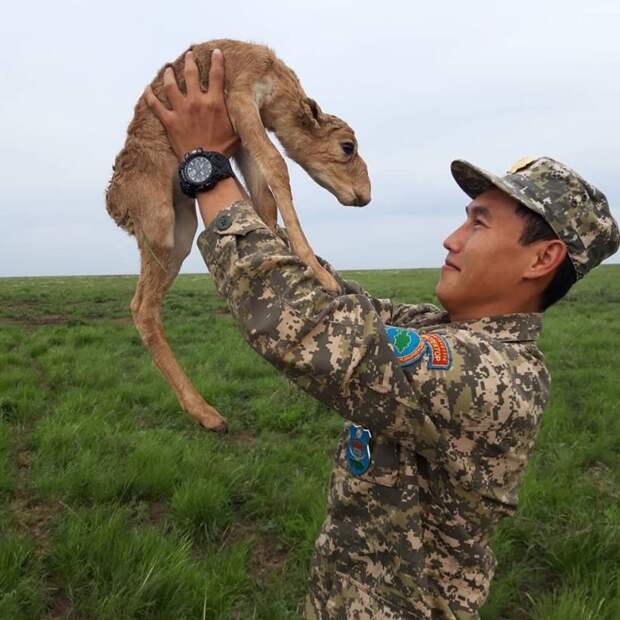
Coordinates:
x,y
517,327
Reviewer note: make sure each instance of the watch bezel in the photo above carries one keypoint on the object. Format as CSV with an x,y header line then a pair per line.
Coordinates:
x,y
188,163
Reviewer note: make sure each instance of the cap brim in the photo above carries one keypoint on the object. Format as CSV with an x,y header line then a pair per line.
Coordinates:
x,y
473,181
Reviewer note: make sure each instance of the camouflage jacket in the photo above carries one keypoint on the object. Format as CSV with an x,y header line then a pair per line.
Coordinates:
x,y
453,409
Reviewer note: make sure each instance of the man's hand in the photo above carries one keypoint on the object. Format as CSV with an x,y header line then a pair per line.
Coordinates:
x,y
198,118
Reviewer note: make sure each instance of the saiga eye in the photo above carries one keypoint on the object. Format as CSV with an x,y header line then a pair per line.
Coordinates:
x,y
347,147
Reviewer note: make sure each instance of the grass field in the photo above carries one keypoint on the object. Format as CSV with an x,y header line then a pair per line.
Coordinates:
x,y
115,505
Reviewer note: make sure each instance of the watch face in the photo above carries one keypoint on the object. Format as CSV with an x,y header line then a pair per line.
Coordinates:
x,y
198,169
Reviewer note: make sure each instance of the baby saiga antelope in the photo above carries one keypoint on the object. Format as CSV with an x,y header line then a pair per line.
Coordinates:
x,y
144,198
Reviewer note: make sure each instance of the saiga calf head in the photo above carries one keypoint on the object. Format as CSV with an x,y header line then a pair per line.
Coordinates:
x,y
326,148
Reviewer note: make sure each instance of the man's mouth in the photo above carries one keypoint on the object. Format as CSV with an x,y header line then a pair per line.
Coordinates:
x,y
450,266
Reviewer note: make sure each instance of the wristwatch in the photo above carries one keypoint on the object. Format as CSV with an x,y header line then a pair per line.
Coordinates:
x,y
201,170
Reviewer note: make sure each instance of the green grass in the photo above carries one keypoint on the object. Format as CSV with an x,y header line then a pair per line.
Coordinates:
x,y
115,504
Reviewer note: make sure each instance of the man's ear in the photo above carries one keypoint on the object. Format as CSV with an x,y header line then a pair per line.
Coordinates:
x,y
547,256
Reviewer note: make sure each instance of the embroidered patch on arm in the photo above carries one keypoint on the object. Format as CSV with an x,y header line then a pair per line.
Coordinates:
x,y
440,355
406,344
410,347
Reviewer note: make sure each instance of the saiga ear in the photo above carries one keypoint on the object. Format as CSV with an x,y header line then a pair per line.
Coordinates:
x,y
311,113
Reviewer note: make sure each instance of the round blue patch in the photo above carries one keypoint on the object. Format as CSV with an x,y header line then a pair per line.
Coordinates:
x,y
407,344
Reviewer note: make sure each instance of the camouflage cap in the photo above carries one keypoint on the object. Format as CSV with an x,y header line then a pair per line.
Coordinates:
x,y
576,210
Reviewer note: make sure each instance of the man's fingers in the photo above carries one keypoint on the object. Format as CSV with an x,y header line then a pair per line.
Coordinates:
x,y
171,88
156,106
192,76
216,73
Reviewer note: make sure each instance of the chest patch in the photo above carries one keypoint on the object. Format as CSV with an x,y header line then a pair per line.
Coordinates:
x,y
410,347
358,449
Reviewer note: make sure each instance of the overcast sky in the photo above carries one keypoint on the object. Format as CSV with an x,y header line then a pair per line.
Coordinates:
x,y
421,83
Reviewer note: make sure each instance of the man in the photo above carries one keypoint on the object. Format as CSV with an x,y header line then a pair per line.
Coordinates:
x,y
441,407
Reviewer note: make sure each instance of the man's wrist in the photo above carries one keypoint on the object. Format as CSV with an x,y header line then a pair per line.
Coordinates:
x,y
211,202
227,151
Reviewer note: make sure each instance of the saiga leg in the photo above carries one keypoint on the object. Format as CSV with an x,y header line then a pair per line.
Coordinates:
x,y
272,166
159,266
261,195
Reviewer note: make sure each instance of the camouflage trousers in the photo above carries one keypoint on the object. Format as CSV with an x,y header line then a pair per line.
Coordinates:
x,y
350,600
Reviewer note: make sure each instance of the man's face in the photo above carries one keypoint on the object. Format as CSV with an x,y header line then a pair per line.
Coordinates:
x,y
485,260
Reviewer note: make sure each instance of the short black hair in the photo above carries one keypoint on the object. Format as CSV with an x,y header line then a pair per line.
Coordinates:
x,y
537,229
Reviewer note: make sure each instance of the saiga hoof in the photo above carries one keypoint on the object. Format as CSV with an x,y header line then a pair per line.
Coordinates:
x,y
216,424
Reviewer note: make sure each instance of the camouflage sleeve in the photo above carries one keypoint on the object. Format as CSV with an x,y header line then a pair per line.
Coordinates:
x,y
389,311
337,349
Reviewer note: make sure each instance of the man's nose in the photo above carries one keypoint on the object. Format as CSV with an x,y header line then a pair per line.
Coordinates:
x,y
451,243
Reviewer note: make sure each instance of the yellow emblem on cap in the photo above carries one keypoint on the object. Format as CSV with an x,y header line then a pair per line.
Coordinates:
x,y
524,162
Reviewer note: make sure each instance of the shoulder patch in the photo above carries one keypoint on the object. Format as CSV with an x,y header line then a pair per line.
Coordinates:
x,y
410,347
407,344
440,355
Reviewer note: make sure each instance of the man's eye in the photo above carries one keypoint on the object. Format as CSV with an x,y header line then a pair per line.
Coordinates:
x,y
478,221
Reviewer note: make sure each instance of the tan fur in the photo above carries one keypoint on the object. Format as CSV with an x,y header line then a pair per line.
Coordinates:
x,y
143,196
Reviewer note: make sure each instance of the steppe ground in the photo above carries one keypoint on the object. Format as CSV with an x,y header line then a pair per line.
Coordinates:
x,y
115,505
